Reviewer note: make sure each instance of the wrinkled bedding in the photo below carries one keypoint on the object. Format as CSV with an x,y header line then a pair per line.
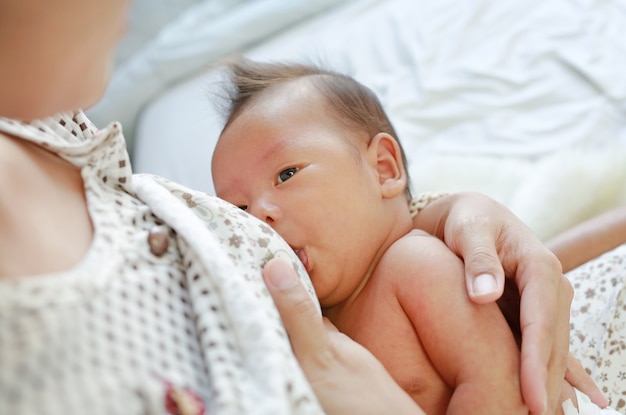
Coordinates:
x,y
522,100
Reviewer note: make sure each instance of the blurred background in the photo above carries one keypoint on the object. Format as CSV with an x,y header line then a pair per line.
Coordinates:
x,y
524,100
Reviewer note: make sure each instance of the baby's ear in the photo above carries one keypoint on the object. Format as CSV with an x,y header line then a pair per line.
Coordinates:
x,y
389,166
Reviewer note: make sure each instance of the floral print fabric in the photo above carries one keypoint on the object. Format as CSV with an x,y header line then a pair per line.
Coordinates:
x,y
598,322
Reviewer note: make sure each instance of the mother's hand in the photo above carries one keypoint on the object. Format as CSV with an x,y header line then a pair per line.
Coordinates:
x,y
494,243
346,378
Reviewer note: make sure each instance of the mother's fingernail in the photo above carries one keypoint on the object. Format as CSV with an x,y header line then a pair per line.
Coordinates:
x,y
279,274
484,284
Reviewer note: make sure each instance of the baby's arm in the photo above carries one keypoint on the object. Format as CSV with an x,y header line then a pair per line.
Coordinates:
x,y
590,239
470,345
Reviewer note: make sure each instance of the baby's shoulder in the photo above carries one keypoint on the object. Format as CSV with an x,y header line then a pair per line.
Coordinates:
x,y
418,256
418,244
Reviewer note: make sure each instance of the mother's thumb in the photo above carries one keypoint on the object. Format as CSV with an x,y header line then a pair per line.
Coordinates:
x,y
299,313
483,275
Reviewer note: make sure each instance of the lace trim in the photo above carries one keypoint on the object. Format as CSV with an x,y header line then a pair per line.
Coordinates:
x,y
420,201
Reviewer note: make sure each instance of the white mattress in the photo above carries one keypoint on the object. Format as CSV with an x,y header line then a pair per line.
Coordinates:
x,y
524,100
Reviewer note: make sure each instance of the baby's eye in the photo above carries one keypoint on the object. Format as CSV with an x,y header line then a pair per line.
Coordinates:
x,y
286,174
243,207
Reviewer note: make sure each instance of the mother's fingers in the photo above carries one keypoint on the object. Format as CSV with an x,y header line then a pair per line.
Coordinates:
x,y
544,319
580,379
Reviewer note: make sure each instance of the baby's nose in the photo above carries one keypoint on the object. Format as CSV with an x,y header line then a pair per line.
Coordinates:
x,y
266,211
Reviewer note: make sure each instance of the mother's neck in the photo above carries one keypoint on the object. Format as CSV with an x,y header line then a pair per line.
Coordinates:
x,y
44,223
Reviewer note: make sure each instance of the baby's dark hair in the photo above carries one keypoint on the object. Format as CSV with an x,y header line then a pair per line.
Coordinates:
x,y
351,102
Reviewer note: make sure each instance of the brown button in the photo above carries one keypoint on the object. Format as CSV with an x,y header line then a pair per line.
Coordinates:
x,y
158,240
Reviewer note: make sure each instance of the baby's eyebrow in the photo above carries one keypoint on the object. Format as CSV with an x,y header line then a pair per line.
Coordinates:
x,y
277,146
283,142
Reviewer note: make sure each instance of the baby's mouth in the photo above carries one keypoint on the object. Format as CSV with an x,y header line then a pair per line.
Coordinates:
x,y
302,257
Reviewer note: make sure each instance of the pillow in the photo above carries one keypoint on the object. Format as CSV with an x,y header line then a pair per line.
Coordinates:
x,y
200,34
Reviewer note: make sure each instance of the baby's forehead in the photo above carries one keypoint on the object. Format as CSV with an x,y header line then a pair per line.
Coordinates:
x,y
292,99
300,90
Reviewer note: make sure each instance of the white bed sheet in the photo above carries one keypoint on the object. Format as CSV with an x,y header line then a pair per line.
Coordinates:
x,y
524,100
153,59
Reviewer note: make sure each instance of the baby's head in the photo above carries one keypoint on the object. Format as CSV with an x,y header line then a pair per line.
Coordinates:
x,y
312,154
347,101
